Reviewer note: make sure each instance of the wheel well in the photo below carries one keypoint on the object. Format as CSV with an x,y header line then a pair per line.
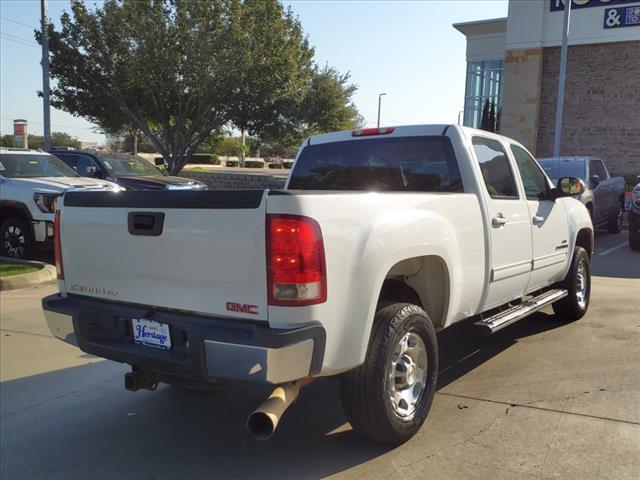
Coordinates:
x,y
585,240
423,281
7,211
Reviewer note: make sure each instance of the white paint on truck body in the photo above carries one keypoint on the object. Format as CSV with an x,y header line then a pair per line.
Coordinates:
x,y
206,258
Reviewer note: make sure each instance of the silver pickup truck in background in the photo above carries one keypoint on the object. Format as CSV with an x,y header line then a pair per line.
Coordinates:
x,y
603,195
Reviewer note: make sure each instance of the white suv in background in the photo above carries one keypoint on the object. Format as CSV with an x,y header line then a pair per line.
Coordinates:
x,y
30,181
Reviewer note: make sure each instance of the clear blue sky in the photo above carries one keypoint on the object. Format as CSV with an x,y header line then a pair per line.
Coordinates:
x,y
407,49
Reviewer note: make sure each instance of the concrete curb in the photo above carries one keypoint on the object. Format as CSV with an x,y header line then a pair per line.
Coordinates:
x,y
47,273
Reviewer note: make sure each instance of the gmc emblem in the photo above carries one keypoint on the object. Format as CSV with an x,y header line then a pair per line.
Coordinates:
x,y
242,308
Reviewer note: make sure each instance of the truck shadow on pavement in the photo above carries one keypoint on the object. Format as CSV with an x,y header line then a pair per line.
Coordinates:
x,y
80,423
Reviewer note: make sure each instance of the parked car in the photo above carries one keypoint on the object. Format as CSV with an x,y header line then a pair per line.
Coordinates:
x,y
30,183
603,196
634,217
130,171
381,237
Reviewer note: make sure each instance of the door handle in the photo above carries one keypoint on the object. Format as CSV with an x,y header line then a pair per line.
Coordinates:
x,y
538,220
498,221
145,223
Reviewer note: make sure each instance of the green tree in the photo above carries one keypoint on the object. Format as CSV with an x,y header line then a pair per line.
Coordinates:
x,y
158,65
36,141
61,139
328,105
7,141
272,71
230,147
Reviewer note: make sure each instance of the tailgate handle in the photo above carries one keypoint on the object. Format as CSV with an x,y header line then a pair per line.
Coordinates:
x,y
146,223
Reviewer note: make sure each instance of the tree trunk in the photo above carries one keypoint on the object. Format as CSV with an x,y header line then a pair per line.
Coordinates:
x,y
243,135
134,140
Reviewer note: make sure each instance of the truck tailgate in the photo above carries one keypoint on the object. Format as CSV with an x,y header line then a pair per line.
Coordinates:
x,y
200,251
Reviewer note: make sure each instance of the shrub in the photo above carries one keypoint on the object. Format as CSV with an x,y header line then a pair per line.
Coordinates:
x,y
233,163
287,164
208,158
253,164
275,165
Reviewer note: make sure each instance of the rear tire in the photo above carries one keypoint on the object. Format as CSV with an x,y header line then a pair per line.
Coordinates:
x,y
15,238
388,397
615,223
578,284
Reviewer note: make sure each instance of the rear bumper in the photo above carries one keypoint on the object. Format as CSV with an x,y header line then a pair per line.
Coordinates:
x,y
203,348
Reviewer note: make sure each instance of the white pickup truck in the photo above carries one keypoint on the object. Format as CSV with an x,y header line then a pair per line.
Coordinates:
x,y
381,238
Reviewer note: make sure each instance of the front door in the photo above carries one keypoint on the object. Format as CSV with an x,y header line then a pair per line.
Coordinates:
x,y
549,226
508,222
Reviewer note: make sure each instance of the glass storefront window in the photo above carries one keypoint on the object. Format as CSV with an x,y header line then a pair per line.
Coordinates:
x,y
484,82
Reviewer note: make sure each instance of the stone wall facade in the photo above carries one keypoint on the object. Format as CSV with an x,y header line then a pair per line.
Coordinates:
x,y
602,104
521,95
235,181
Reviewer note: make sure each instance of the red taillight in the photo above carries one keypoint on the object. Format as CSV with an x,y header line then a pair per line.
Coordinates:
x,y
57,247
367,132
296,272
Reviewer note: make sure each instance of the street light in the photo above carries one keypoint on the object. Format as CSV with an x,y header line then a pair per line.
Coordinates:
x,y
379,104
557,130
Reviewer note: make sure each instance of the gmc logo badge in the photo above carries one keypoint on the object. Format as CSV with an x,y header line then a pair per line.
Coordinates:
x,y
242,308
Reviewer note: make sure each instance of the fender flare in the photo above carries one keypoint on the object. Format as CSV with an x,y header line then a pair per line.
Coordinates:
x,y
19,205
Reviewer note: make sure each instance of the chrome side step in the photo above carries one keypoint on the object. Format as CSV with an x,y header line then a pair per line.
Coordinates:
x,y
507,317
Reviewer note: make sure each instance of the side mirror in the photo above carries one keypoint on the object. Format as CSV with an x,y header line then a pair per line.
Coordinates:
x,y
594,180
92,171
569,186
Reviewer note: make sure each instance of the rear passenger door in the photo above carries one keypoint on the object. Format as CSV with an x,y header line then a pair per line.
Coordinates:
x,y
602,196
509,224
549,226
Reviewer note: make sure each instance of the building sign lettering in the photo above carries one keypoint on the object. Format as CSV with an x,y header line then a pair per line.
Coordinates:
x,y
558,5
622,17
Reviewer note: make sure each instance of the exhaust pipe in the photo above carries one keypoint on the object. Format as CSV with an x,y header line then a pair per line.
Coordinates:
x,y
141,378
264,421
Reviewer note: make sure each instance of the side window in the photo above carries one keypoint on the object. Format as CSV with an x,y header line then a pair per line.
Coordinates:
x,y
535,182
83,162
495,168
68,159
596,168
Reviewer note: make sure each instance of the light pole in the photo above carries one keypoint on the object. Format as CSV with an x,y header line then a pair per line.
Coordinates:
x,y
379,105
46,120
557,131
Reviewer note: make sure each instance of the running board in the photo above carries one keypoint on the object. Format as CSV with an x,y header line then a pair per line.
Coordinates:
x,y
507,317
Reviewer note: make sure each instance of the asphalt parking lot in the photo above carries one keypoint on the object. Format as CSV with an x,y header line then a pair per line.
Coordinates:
x,y
541,399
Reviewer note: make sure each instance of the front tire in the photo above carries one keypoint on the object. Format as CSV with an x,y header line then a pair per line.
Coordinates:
x,y
578,284
15,238
388,397
615,223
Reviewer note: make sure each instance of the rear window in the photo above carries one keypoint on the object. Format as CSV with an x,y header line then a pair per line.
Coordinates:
x,y
402,164
556,169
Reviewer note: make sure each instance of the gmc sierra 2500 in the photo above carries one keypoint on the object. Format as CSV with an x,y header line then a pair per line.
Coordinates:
x,y
380,238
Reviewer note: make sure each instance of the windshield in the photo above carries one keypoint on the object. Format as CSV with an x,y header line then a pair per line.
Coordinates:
x,y
125,165
25,165
556,169
410,164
